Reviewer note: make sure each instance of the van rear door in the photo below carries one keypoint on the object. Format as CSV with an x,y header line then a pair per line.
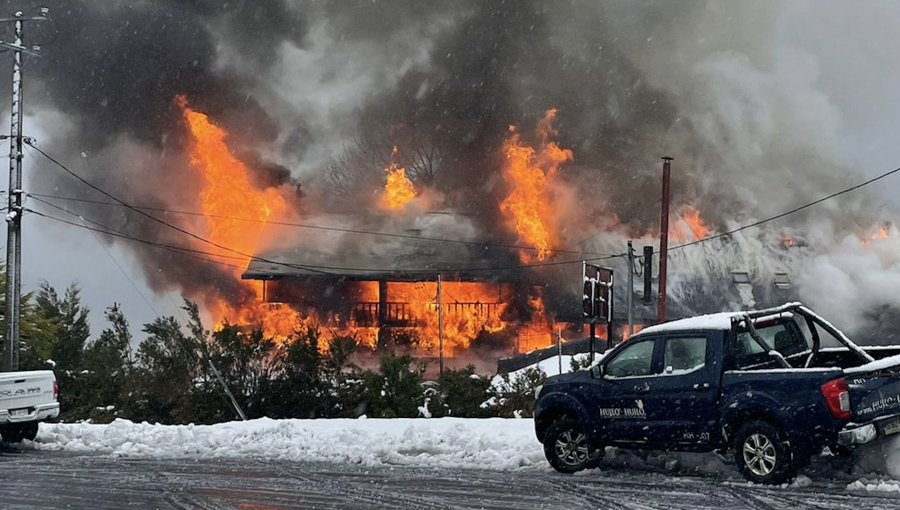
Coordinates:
x,y
22,392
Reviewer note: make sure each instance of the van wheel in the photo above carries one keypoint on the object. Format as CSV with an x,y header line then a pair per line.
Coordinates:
x,y
29,430
16,432
762,454
568,448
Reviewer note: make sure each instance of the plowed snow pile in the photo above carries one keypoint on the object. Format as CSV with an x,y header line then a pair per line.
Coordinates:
x,y
448,442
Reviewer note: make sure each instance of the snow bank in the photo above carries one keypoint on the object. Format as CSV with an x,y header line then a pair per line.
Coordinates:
x,y
493,443
490,443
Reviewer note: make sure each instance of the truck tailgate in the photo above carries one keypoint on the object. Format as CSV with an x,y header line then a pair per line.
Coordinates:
x,y
23,390
874,389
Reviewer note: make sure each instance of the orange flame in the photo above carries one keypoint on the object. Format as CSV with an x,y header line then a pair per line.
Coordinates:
x,y
469,309
227,192
398,189
689,227
528,171
883,233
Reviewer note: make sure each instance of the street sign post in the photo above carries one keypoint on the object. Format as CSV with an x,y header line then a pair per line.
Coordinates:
x,y
597,301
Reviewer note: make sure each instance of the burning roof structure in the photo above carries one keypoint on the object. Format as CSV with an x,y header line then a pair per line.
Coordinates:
x,y
409,255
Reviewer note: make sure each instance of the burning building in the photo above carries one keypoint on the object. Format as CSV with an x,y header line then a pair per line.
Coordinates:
x,y
432,297
396,303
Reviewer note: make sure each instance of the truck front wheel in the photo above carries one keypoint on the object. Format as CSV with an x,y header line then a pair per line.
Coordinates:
x,y
762,454
567,447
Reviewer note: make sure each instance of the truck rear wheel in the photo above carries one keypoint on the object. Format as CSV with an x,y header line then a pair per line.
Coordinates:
x,y
568,448
762,454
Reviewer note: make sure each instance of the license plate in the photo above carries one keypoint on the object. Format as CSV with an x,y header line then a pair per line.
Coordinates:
x,y
18,413
892,427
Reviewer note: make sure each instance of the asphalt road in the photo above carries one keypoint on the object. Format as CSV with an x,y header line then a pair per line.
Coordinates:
x,y
31,479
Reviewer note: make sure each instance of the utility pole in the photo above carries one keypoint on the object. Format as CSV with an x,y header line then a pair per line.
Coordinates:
x,y
14,215
629,294
440,311
664,240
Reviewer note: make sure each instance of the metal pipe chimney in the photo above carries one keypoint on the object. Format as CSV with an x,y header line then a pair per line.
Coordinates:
x,y
664,240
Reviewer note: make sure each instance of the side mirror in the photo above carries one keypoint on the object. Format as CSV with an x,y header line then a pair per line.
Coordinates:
x,y
597,371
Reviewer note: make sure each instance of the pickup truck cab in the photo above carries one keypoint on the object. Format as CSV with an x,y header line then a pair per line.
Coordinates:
x,y
26,398
761,384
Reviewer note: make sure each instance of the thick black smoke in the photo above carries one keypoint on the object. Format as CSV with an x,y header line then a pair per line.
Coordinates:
x,y
317,93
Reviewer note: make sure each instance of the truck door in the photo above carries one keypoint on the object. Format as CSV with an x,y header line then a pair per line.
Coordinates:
x,y
683,405
618,397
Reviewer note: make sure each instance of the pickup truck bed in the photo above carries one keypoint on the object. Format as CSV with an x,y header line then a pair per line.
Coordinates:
x,y
759,383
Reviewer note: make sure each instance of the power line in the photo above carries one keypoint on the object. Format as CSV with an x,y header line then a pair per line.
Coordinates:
x,y
194,253
322,268
157,220
787,213
308,267
122,270
183,251
319,227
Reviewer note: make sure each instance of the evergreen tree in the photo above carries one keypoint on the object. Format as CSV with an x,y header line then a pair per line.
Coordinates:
x,y
248,362
37,334
462,393
166,372
302,389
106,379
395,391
70,321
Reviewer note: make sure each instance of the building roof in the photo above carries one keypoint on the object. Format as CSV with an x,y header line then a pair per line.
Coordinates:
x,y
408,255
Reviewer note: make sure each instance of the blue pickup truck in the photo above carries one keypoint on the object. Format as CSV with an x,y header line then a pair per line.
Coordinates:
x,y
773,386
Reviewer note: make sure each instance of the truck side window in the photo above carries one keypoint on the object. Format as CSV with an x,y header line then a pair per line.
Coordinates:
x,y
633,361
684,354
786,337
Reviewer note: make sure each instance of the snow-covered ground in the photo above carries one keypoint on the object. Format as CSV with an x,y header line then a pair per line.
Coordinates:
x,y
492,443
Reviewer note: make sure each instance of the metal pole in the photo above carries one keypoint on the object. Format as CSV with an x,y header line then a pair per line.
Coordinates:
x,y
440,327
14,217
559,348
610,327
647,268
629,292
593,337
234,402
664,240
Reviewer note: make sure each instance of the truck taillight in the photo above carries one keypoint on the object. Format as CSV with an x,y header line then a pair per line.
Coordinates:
x,y
837,398
55,390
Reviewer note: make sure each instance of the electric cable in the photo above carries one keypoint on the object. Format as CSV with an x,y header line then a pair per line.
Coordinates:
x,y
319,227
